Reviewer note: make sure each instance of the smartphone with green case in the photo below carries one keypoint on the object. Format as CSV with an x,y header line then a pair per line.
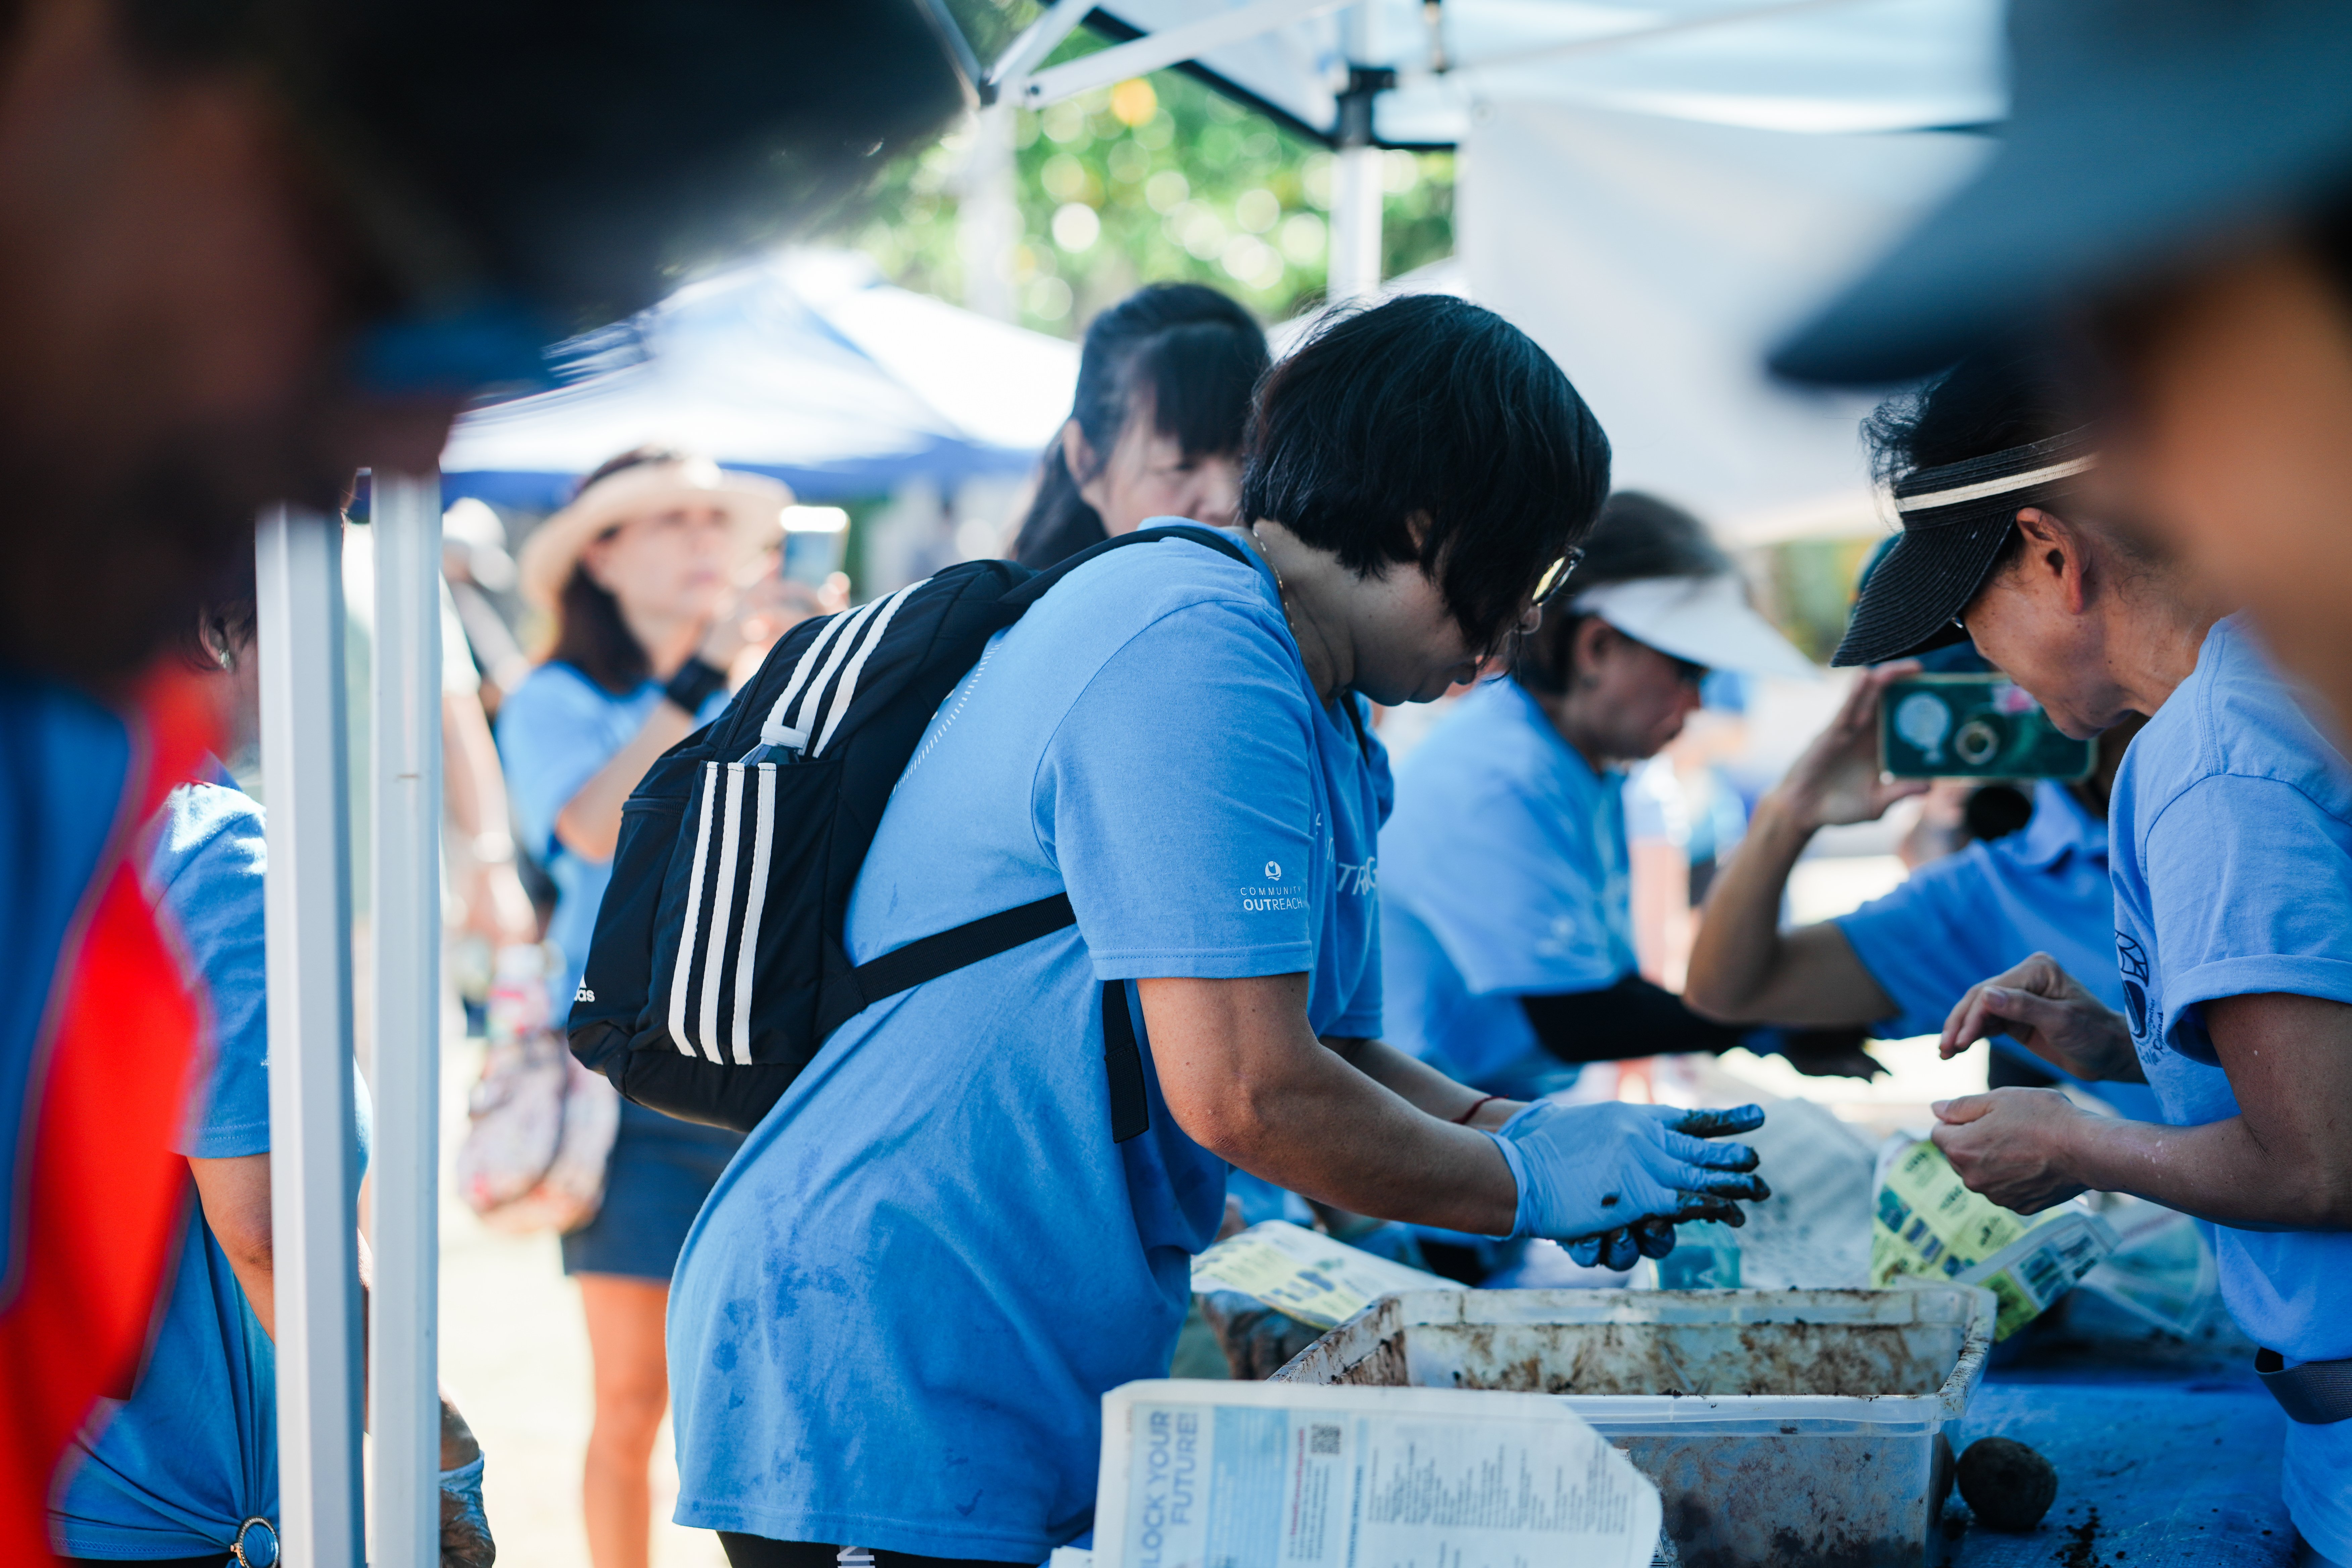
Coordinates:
x,y
1972,727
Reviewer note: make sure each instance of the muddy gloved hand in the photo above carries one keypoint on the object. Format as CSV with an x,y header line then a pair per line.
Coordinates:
x,y
465,1529
1611,1181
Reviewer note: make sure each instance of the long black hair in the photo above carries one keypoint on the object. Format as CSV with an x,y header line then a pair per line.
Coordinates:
x,y
590,634
1639,537
1187,350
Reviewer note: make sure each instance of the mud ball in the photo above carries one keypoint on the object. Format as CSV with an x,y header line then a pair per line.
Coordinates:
x,y
2006,1484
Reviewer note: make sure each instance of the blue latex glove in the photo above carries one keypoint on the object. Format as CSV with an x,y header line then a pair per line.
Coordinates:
x,y
465,1528
1613,1180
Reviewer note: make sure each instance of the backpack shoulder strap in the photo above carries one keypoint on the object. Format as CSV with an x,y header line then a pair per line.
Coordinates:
x,y
1018,600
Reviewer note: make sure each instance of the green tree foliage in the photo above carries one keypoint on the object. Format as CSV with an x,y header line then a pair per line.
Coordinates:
x,y
1156,179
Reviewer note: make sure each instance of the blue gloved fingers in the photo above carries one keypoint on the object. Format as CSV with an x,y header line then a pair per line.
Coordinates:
x,y
1705,1205
1715,1156
1721,1183
1584,1251
1656,1238
1715,1123
1618,1250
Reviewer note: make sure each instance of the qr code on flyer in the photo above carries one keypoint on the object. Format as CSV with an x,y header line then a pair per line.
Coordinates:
x,y
1323,1438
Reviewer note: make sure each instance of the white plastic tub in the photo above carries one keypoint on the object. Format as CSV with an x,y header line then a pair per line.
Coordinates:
x,y
1781,1426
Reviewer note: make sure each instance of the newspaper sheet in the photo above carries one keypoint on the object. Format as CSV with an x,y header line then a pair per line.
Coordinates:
x,y
1206,1475
1813,1232
1929,1225
1305,1274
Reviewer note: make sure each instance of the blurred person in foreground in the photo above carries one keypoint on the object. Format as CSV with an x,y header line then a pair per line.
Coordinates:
x,y
184,1470
1506,923
2231,866
644,574
244,250
2173,191
1155,430
1899,962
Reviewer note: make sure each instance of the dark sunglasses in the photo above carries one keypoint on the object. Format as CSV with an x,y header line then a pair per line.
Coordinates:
x,y
1556,575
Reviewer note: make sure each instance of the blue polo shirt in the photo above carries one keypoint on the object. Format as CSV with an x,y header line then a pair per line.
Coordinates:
x,y
194,1452
2233,877
1504,873
1970,915
896,1316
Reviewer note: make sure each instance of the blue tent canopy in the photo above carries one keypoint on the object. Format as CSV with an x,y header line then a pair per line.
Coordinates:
x,y
805,367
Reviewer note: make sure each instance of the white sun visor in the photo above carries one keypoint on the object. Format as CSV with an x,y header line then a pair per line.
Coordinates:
x,y
1707,620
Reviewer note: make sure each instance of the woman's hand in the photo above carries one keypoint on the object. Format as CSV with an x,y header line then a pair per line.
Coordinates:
x,y
1838,780
2016,1146
2047,1011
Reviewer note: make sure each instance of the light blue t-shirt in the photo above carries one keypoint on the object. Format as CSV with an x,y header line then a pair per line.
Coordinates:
x,y
556,731
194,1452
1970,915
2233,876
898,1311
1503,874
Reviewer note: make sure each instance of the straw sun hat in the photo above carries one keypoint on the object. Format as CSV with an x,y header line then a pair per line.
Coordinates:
x,y
754,505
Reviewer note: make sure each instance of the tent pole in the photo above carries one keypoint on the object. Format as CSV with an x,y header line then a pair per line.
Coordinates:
x,y
313,1179
1358,190
404,512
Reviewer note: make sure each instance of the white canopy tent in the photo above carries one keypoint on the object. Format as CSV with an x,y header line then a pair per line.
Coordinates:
x,y
1651,188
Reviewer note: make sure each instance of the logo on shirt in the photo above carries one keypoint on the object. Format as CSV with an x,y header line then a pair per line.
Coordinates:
x,y
2131,959
1274,897
1358,879
584,993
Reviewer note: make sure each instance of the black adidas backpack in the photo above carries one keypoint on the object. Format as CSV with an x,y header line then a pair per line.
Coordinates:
x,y
718,968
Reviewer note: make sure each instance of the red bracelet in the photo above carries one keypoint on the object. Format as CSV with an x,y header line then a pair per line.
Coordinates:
x,y
1464,1120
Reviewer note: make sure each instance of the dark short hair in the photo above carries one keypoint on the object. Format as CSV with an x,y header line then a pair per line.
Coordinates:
x,y
1193,354
1638,537
1996,399
590,634
1429,405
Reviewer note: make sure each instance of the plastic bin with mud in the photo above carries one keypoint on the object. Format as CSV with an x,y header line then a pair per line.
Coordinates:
x,y
1781,1426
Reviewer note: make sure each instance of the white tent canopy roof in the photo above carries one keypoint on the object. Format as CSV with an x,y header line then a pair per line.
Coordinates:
x,y
1788,65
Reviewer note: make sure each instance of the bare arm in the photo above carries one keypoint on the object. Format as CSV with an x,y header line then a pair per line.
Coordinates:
x,y
2282,1163
496,904
1742,968
235,1196
589,823
1245,1076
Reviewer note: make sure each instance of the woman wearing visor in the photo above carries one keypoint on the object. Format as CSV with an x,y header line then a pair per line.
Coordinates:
x,y
1507,916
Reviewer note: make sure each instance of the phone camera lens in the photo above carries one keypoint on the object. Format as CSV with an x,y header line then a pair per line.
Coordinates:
x,y
1978,742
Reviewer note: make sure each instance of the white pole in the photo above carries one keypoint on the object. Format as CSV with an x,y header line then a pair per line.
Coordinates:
x,y
1358,191
404,512
313,1175
987,221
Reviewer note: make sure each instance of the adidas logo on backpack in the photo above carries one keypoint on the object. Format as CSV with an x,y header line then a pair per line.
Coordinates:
x,y
718,967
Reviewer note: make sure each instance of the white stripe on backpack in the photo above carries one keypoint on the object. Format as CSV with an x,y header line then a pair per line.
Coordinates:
x,y
847,690
722,907
682,977
755,899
